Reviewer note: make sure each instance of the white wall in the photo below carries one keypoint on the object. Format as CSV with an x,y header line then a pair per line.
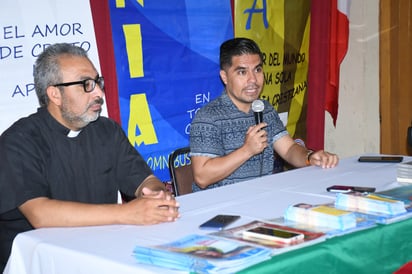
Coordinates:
x,y
357,128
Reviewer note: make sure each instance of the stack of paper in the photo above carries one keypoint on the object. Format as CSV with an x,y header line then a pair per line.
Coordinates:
x,y
203,254
404,172
321,215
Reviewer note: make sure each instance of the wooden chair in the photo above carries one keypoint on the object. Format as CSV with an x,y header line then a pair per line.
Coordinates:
x,y
181,171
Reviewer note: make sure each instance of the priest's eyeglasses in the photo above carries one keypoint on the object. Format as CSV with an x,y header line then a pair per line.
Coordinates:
x,y
88,84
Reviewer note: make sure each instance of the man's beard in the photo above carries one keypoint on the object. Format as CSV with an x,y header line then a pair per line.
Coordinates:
x,y
80,121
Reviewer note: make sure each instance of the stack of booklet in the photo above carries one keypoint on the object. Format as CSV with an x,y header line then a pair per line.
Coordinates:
x,y
321,216
382,207
203,254
369,203
404,172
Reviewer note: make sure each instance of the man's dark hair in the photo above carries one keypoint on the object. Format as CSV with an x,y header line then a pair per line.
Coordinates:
x,y
236,47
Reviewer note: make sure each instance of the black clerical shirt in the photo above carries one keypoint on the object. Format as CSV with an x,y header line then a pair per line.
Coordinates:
x,y
39,159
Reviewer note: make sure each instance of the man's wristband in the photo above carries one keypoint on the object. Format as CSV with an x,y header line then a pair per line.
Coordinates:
x,y
309,153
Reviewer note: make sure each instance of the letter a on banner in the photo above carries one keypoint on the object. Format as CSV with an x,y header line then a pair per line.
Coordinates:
x,y
140,118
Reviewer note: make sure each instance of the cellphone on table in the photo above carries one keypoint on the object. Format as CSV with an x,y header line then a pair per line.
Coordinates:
x,y
272,234
219,222
346,189
380,159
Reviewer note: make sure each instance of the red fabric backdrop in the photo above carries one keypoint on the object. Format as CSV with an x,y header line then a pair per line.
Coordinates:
x,y
102,28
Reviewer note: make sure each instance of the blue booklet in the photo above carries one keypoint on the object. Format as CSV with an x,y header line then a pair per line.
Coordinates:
x,y
203,254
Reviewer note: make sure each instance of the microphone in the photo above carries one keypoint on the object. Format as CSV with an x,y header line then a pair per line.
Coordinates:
x,y
258,107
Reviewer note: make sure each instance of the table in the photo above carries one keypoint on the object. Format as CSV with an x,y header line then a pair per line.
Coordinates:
x,y
108,249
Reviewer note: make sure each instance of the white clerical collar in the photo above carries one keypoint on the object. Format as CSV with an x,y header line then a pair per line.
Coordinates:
x,y
73,134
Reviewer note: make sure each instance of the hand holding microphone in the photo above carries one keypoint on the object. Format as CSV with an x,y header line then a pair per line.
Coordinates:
x,y
258,107
256,138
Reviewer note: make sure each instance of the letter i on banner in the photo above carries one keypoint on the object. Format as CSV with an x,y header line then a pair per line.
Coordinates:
x,y
133,37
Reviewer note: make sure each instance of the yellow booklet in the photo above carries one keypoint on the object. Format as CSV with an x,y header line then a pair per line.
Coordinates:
x,y
329,210
321,216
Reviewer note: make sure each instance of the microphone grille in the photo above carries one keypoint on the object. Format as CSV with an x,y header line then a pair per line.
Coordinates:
x,y
258,106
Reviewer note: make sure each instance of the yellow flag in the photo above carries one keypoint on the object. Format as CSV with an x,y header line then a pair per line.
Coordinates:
x,y
281,28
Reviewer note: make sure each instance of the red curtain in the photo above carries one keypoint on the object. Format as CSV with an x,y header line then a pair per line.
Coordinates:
x,y
103,32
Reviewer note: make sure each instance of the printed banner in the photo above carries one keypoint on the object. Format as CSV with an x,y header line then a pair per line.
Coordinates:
x,y
26,28
167,67
281,28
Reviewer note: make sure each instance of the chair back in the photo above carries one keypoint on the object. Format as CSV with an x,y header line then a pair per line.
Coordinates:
x,y
180,167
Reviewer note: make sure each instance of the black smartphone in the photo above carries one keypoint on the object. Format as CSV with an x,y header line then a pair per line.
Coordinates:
x,y
219,222
345,189
380,159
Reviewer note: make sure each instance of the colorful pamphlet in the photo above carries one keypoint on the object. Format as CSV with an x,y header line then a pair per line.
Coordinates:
x,y
203,254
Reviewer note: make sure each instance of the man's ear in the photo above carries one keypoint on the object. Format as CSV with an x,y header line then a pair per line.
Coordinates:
x,y
54,95
223,76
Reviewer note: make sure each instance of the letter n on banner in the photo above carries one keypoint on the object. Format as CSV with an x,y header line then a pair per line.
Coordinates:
x,y
281,28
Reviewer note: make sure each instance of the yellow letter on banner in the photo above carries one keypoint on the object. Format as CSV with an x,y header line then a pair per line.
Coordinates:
x,y
133,37
140,118
122,4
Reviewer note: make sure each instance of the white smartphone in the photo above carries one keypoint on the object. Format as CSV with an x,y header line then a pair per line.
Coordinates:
x,y
272,234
